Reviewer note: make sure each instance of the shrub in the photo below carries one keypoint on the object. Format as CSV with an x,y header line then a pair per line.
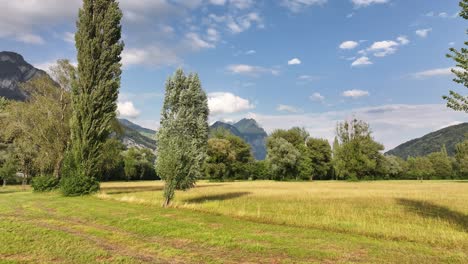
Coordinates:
x,y
45,183
78,185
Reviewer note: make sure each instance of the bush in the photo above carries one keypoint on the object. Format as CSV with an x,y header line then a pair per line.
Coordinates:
x,y
44,183
78,185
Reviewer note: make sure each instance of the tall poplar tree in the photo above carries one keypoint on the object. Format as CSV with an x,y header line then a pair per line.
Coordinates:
x,y
183,134
94,92
455,100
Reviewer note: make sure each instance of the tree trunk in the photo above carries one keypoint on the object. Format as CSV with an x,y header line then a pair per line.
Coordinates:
x,y
58,168
4,183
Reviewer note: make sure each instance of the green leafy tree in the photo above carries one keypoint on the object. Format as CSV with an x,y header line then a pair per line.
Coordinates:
x,y
94,92
229,157
283,158
183,135
39,128
8,169
455,100
138,164
320,154
441,164
358,156
461,157
420,168
394,167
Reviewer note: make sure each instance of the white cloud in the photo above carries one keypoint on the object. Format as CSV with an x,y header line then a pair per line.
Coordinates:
x,y
218,2
317,97
294,61
364,3
242,4
240,24
250,70
355,93
383,48
392,124
69,37
423,32
150,56
196,42
403,40
288,108
227,103
432,73
250,52
299,5
307,78
127,109
361,61
348,45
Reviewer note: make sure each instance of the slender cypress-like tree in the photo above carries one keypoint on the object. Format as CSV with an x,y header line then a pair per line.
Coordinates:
x,y
94,92
183,134
455,100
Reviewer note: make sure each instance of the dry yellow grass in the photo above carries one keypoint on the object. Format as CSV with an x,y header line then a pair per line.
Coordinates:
x,y
434,212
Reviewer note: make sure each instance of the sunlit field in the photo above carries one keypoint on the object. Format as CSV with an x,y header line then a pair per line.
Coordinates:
x,y
434,212
241,222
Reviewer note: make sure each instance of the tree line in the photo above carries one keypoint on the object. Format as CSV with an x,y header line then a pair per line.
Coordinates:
x,y
65,135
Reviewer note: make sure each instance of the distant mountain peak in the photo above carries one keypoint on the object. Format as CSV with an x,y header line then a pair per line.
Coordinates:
x,y
14,70
432,142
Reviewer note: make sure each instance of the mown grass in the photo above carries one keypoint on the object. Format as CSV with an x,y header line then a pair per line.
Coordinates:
x,y
245,222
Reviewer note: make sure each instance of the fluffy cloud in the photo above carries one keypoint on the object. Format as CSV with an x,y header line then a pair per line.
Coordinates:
x,y
196,42
298,5
250,70
364,3
423,32
392,124
432,73
288,108
294,61
403,40
361,61
383,48
317,97
348,45
355,93
242,4
150,56
127,109
240,24
227,103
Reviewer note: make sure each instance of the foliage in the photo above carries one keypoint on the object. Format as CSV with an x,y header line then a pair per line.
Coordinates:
x,y
283,158
320,154
39,128
441,164
44,183
420,168
94,92
183,135
77,185
461,157
8,169
455,100
394,167
138,164
228,157
358,155
111,160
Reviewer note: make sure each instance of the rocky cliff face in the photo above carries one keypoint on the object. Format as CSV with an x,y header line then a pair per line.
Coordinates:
x,y
14,70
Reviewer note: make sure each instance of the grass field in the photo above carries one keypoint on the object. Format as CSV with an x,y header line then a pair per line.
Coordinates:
x,y
242,222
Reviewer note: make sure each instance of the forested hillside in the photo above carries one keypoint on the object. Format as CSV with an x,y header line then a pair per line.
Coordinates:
x,y
432,142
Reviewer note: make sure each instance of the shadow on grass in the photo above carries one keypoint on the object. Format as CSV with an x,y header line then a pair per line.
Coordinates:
x,y
217,197
135,189
430,210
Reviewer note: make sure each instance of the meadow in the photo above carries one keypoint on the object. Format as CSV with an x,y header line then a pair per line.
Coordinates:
x,y
241,222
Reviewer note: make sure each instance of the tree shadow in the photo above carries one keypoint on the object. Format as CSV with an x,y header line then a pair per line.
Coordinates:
x,y
217,197
430,210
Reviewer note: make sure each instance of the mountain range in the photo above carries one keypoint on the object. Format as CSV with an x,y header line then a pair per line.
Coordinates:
x,y
432,142
251,132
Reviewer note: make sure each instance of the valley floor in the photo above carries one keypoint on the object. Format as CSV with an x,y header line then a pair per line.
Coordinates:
x,y
241,222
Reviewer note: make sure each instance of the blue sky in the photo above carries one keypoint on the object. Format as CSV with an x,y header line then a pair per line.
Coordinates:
x,y
308,63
